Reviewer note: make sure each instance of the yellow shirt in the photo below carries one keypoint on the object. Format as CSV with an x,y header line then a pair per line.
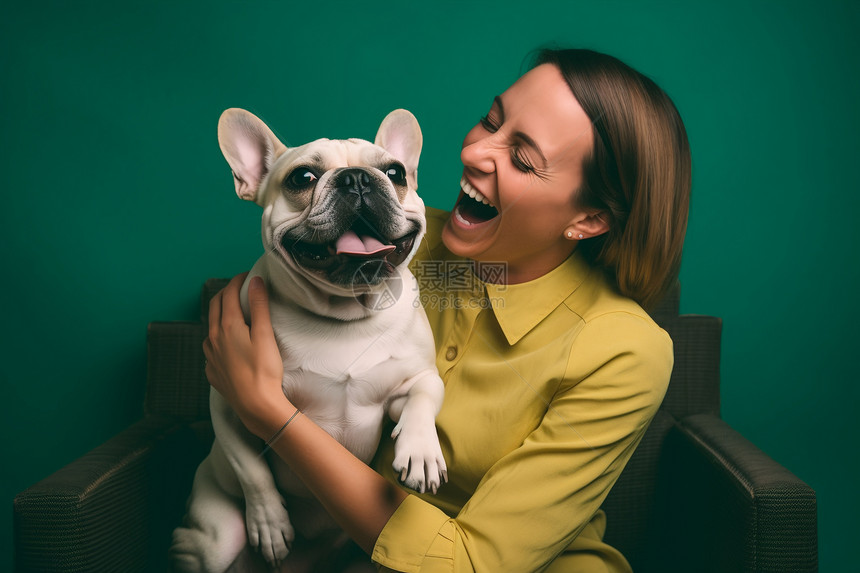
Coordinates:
x,y
549,387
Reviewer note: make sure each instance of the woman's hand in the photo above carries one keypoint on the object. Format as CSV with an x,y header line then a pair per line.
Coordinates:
x,y
243,363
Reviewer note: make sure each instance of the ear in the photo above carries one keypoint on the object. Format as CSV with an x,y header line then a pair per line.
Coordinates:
x,y
250,149
589,224
400,135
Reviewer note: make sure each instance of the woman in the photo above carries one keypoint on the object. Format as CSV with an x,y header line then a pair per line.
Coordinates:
x,y
578,180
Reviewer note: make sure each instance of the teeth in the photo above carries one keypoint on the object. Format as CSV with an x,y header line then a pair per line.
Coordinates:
x,y
460,217
473,193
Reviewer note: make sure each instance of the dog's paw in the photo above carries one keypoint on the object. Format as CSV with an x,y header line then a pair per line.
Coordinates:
x,y
198,551
186,552
269,528
417,455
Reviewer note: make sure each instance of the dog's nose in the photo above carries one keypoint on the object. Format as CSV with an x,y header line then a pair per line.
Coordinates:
x,y
355,181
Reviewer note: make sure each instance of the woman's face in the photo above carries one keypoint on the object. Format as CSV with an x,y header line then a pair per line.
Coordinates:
x,y
523,162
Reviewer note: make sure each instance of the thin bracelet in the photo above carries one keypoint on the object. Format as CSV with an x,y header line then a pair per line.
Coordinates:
x,y
278,433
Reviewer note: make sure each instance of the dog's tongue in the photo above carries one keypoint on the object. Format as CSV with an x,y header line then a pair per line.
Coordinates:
x,y
364,246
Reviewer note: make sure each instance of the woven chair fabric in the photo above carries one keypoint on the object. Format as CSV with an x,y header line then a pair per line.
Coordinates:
x,y
176,378
778,511
112,509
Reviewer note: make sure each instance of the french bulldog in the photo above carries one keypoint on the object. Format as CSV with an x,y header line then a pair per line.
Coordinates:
x,y
341,220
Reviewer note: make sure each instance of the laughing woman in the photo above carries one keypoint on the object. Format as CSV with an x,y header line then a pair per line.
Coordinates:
x,y
578,181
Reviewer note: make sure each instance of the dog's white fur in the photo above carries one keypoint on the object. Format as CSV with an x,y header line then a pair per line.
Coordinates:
x,y
349,354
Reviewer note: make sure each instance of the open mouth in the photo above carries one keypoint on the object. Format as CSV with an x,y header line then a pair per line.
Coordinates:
x,y
359,247
473,208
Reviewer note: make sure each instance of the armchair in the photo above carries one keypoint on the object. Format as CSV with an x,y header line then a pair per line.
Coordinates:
x,y
696,496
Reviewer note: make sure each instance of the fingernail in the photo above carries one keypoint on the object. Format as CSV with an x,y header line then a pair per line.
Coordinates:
x,y
256,283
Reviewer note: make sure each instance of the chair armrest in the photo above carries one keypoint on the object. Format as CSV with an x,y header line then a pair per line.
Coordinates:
x,y
112,509
731,507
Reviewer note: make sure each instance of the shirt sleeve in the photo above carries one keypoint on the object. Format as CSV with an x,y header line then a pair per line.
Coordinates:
x,y
534,501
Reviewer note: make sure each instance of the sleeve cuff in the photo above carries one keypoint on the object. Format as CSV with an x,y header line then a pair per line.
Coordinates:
x,y
416,531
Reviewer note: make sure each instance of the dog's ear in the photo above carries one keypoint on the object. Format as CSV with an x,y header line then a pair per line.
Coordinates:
x,y
250,148
400,135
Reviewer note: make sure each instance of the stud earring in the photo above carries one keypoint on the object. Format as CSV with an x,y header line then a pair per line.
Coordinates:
x,y
570,234
580,235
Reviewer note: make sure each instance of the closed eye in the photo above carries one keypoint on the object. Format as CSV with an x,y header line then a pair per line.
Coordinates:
x,y
489,124
493,121
521,162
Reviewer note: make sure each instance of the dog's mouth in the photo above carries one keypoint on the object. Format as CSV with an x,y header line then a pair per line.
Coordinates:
x,y
358,256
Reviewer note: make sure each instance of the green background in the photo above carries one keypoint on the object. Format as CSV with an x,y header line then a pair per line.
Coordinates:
x,y
117,204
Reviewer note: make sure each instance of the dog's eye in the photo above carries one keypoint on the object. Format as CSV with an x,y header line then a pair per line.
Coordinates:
x,y
300,178
396,173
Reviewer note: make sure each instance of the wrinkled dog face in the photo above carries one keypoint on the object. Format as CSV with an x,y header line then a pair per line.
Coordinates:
x,y
347,223
344,211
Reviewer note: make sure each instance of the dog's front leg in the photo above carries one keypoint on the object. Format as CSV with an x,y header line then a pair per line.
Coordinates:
x,y
266,520
417,454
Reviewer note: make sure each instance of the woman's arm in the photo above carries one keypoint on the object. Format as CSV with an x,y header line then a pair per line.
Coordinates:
x,y
244,365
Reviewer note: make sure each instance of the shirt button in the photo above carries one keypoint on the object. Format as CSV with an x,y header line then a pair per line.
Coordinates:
x,y
451,353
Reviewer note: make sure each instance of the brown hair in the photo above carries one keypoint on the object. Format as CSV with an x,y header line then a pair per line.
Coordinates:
x,y
638,174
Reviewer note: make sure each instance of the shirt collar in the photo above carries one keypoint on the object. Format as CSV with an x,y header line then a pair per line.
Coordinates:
x,y
521,307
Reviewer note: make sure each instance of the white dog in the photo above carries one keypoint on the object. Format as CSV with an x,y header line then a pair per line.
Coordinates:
x,y
341,219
